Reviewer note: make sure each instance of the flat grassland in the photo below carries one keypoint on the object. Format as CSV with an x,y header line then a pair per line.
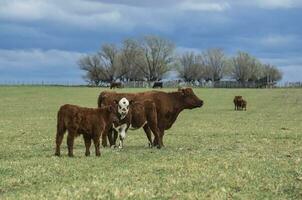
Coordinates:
x,y
211,152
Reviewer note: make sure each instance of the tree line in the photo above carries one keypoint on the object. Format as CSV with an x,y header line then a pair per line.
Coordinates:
x,y
150,57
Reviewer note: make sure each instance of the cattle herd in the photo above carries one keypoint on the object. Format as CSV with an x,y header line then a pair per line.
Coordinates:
x,y
154,111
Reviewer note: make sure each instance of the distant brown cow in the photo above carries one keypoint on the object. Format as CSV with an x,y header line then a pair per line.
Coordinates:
x,y
141,114
168,106
89,122
116,85
244,104
239,103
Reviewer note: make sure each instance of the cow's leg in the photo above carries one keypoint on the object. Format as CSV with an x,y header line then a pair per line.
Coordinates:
x,y
113,137
153,124
59,139
122,135
104,138
161,138
156,132
121,142
159,142
148,134
70,141
110,136
87,140
96,141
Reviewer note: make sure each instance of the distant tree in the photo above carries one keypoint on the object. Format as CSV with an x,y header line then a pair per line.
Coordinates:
x,y
109,60
91,64
190,68
130,54
247,68
152,56
254,69
214,62
155,56
241,66
272,73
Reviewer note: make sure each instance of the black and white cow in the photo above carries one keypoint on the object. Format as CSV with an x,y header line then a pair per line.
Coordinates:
x,y
140,115
124,121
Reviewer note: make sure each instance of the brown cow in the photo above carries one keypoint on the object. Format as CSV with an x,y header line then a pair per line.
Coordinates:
x,y
89,122
244,104
115,85
168,106
141,114
239,103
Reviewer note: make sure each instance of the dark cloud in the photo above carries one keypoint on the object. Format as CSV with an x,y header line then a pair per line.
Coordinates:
x,y
269,31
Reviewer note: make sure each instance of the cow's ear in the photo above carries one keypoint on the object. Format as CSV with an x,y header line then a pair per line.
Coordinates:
x,y
110,109
131,102
182,92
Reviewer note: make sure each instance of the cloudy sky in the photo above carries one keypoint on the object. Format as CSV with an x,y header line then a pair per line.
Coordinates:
x,y
43,39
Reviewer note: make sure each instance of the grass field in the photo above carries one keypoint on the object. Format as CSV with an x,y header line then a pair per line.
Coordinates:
x,y
211,152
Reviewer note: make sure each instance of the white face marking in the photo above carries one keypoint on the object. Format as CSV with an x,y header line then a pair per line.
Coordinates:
x,y
123,107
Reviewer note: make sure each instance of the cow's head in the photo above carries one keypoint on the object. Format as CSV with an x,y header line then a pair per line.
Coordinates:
x,y
112,114
190,100
123,107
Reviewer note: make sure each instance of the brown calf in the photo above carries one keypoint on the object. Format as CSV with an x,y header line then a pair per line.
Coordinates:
x,y
244,104
89,122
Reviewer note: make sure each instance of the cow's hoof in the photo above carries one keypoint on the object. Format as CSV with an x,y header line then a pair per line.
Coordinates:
x,y
104,144
120,147
57,154
87,154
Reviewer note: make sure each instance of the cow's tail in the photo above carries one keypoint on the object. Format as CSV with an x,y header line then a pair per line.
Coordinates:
x,y
61,128
60,124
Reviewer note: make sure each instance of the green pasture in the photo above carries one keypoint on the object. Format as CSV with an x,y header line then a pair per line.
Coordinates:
x,y
211,152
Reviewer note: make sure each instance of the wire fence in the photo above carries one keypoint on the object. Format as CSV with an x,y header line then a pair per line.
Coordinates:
x,y
166,84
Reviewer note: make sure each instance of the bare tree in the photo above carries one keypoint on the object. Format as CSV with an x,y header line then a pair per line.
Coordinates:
x,y
272,73
130,54
241,66
91,64
109,61
254,69
214,62
190,68
155,56
248,68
